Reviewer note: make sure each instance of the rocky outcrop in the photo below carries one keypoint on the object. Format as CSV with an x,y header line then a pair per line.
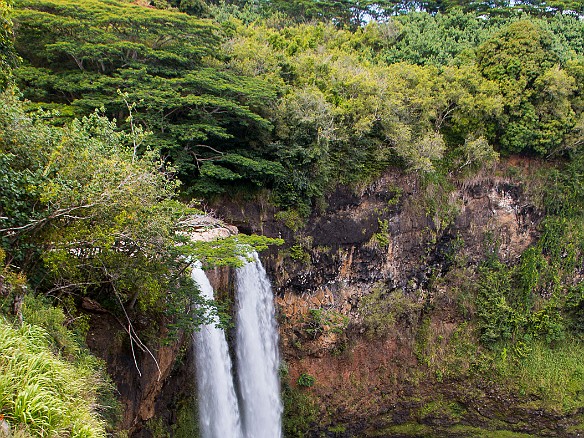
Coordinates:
x,y
398,233
409,243
206,228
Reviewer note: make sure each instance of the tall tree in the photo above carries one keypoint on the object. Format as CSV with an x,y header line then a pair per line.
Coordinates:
x,y
551,7
163,62
522,59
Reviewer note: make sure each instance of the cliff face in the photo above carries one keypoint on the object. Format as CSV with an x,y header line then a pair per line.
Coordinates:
x,y
147,386
375,312
371,301
156,388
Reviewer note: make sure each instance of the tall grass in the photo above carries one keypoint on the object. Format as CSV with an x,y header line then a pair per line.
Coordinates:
x,y
65,336
40,393
555,374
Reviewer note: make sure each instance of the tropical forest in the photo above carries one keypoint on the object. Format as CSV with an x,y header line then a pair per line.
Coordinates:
x,y
288,219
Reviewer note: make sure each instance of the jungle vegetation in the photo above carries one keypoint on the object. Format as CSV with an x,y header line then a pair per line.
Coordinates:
x,y
115,115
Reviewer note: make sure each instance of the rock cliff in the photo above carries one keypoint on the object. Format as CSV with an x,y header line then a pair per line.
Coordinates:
x,y
370,292
375,319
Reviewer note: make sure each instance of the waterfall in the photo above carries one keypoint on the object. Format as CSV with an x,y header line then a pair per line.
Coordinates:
x,y
257,353
257,362
218,408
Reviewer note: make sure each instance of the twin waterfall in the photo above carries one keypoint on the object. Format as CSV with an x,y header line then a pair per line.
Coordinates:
x,y
252,408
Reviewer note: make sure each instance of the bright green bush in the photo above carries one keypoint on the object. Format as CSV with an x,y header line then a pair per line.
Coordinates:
x,y
41,393
554,374
300,411
306,380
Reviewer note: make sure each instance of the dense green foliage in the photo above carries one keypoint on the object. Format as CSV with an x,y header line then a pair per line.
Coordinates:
x,y
148,67
300,411
538,112
79,209
8,58
254,101
353,13
358,101
42,394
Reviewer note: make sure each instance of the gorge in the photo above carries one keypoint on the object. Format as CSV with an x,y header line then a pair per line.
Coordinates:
x,y
408,174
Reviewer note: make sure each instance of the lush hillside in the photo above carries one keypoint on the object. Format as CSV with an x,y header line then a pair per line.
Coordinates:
x,y
43,393
254,100
117,117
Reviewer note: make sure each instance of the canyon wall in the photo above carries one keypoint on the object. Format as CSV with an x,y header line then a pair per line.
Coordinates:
x,y
372,305
374,302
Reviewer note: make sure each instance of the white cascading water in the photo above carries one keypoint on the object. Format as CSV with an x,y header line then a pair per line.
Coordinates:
x,y
257,353
218,408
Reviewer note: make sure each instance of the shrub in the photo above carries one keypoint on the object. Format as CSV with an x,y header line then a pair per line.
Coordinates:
x,y
42,394
306,380
321,320
383,309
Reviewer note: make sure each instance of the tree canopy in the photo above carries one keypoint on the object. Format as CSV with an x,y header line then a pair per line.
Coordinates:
x,y
80,213
8,58
354,13
164,64
250,100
